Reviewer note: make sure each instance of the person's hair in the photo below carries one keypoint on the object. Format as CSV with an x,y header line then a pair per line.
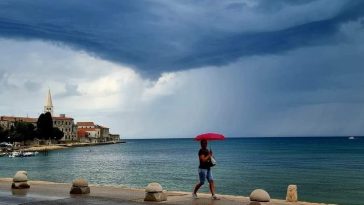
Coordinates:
x,y
202,141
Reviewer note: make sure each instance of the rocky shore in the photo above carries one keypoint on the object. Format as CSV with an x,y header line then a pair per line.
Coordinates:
x,y
43,148
59,193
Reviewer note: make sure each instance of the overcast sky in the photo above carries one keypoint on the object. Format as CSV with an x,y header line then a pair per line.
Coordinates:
x,y
177,68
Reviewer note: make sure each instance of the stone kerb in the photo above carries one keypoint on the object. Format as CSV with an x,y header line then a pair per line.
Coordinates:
x,y
80,186
155,192
20,180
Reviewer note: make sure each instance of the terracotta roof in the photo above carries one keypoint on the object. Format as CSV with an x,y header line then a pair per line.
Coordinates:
x,y
86,129
85,124
29,119
62,118
21,119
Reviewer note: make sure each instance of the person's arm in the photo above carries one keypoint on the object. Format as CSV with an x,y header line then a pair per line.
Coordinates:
x,y
204,158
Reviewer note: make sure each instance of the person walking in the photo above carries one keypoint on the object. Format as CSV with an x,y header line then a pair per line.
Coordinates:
x,y
204,170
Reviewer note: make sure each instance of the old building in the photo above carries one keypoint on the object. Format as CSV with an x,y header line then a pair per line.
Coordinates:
x,y
88,131
91,132
67,126
6,122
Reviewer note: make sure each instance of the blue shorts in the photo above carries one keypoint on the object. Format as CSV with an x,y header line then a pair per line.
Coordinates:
x,y
205,174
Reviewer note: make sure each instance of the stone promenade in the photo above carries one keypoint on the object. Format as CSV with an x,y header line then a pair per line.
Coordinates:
x,y
48,193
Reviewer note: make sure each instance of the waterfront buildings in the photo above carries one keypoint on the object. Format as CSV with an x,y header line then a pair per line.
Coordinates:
x,y
89,131
79,132
95,133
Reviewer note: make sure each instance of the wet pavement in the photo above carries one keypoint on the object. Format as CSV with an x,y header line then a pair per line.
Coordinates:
x,y
85,201
47,193
8,198
58,195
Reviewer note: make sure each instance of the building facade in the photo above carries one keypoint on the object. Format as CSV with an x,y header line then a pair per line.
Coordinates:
x,y
67,126
88,132
6,122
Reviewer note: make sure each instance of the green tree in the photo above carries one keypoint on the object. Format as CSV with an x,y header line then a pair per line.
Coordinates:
x,y
22,131
3,135
30,131
57,133
11,134
45,126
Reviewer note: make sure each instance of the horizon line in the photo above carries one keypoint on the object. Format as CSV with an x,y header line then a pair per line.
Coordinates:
x,y
162,138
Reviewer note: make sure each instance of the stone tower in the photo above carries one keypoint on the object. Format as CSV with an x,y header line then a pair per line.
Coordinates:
x,y
48,105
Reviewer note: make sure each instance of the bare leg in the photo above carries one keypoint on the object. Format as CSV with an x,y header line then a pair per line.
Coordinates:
x,y
197,187
212,187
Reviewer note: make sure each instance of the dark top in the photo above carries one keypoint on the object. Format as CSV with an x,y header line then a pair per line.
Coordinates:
x,y
206,164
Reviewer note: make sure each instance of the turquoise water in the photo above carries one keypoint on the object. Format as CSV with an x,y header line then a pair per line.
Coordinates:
x,y
326,170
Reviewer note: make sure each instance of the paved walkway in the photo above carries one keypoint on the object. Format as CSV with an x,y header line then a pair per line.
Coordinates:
x,y
33,199
58,194
46,193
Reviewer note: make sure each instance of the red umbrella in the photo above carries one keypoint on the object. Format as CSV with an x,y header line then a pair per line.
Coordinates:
x,y
209,136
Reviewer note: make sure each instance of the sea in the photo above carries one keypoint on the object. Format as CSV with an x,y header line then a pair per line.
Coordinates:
x,y
325,169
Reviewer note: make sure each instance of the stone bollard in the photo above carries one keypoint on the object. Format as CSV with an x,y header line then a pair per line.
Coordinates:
x,y
19,192
80,186
155,192
292,193
259,195
20,180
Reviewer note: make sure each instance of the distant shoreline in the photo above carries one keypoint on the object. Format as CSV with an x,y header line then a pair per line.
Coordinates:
x,y
44,148
258,137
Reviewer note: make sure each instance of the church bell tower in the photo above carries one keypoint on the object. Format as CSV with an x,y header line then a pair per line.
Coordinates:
x,y
48,105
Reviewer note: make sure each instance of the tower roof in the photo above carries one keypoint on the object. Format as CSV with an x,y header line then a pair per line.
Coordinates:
x,y
49,99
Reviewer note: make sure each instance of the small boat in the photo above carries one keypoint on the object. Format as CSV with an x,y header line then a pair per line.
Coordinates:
x,y
29,154
351,138
14,154
5,144
2,154
23,154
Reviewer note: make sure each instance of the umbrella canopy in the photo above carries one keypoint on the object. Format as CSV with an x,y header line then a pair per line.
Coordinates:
x,y
209,136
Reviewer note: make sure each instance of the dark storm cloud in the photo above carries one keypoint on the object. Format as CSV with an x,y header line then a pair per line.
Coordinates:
x,y
157,36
